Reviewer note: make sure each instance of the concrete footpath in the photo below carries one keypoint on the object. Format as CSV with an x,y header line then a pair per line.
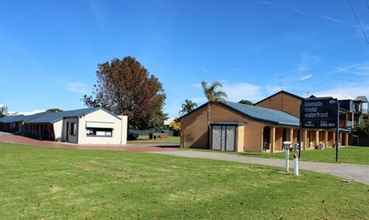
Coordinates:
x,y
3,133
359,173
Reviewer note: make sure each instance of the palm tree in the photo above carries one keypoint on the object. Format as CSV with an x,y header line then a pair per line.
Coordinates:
x,y
187,107
245,102
214,91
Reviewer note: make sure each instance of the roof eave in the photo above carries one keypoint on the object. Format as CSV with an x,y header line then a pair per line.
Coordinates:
x,y
255,118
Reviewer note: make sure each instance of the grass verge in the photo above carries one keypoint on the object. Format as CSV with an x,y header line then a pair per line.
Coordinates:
x,y
354,155
167,140
76,184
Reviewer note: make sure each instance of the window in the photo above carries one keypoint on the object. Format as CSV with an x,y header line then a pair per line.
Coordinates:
x,y
99,132
73,129
364,107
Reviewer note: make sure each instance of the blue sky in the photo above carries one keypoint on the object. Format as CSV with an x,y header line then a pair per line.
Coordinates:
x,y
49,50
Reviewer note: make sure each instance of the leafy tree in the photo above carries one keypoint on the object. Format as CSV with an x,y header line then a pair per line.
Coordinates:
x,y
245,102
175,126
187,107
214,91
124,86
54,110
363,127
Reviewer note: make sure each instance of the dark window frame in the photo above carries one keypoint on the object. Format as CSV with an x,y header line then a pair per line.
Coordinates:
x,y
99,129
73,129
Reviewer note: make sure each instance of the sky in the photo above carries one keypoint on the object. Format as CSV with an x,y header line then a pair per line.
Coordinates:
x,y
49,50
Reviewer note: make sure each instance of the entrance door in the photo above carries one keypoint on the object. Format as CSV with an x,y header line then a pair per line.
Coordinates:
x,y
67,132
230,138
217,137
224,138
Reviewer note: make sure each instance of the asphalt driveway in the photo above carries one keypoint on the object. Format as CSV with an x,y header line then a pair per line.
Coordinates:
x,y
359,173
17,139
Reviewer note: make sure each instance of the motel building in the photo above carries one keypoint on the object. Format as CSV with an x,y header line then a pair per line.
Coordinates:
x,y
264,126
82,126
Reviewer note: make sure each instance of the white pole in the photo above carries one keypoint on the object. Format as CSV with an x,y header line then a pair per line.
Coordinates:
x,y
287,154
296,166
286,147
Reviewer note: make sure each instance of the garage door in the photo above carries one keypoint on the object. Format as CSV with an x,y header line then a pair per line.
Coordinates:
x,y
223,137
217,140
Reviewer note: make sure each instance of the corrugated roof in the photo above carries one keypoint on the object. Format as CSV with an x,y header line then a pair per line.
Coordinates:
x,y
52,117
19,118
10,119
46,117
264,114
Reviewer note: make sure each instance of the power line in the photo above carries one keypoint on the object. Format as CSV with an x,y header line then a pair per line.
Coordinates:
x,y
356,16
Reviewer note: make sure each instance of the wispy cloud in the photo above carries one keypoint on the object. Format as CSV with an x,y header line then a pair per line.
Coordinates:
x,y
265,2
98,13
301,12
297,11
303,69
358,69
77,87
306,65
204,70
270,89
196,85
361,30
198,99
243,90
332,19
279,6
235,91
345,92
306,77
28,113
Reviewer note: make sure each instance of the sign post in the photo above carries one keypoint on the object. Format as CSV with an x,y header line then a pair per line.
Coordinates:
x,y
337,130
320,113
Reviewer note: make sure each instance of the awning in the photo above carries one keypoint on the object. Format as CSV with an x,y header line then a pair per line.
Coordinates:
x,y
99,124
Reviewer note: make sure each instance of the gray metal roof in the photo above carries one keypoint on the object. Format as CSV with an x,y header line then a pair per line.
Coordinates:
x,y
10,119
19,118
46,117
264,114
52,117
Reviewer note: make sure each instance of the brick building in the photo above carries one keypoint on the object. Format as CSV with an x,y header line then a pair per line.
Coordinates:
x,y
264,126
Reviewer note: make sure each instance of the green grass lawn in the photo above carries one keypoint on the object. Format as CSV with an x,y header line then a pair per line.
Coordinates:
x,y
167,140
75,184
357,155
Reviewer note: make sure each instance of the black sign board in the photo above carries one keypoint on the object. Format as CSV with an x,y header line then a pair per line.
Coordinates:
x,y
319,113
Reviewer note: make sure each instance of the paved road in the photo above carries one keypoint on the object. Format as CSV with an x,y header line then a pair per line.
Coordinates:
x,y
358,173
